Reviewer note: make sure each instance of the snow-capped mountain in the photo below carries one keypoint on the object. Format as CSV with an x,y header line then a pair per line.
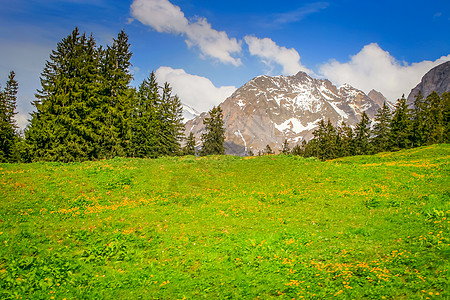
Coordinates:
x,y
267,110
189,112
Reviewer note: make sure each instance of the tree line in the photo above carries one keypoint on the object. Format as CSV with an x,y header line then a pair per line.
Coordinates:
x,y
426,123
86,109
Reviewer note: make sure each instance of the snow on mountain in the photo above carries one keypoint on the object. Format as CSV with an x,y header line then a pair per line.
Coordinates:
x,y
189,112
267,110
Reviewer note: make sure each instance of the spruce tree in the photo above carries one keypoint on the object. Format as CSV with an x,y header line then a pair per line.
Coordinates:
x,y
214,137
400,135
285,149
8,128
381,129
445,97
320,140
346,140
268,150
171,116
146,122
63,128
419,120
117,98
435,125
189,149
326,141
362,135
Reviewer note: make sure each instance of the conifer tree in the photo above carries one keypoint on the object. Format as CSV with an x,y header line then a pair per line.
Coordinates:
x,y
171,127
435,125
326,141
286,150
400,135
214,137
346,140
445,97
268,150
189,149
381,129
63,127
299,149
146,121
362,134
419,120
312,148
8,128
117,98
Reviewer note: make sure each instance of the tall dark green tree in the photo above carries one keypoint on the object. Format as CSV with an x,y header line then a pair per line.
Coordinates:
x,y
362,135
326,138
435,125
381,129
189,148
445,97
117,98
400,137
214,137
8,128
171,117
419,120
146,122
285,148
346,140
62,127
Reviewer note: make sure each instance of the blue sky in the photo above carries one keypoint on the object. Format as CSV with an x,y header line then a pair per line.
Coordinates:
x,y
206,49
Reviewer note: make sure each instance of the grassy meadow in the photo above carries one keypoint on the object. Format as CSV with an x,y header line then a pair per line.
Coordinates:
x,y
368,227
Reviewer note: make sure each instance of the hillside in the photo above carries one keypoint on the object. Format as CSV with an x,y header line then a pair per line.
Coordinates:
x,y
228,227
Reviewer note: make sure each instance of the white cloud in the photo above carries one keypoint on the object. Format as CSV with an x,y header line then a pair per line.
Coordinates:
x,y
271,53
21,120
195,91
374,68
165,17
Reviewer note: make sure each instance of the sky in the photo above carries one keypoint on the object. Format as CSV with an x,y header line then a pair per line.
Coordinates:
x,y
207,49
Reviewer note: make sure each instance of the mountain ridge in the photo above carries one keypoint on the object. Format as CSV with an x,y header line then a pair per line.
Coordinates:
x,y
267,110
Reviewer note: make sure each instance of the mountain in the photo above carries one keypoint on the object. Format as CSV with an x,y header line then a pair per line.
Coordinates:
x,y
268,110
189,112
437,79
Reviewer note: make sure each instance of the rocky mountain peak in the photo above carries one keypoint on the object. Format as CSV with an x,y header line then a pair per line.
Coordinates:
x,y
267,110
437,79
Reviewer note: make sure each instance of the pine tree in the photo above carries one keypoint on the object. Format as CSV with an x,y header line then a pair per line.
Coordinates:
x,y
419,120
362,135
214,137
445,97
435,125
268,150
63,128
146,122
189,149
285,150
327,141
381,129
346,140
320,140
171,130
8,128
400,135
116,110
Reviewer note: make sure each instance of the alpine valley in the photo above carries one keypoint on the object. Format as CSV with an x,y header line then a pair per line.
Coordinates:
x,y
267,110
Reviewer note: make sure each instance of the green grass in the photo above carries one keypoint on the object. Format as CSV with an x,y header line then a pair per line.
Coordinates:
x,y
228,227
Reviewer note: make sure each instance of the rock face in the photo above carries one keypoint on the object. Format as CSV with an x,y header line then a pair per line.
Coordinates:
x,y
437,79
268,110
